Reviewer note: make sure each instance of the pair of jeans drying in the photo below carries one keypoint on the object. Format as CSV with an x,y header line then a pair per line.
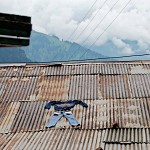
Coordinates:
x,y
56,117
63,107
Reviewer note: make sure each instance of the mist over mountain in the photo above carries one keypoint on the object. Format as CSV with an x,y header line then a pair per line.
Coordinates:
x,y
13,54
47,48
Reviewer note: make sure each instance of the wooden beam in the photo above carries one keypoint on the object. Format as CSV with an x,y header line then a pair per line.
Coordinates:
x,y
16,18
18,33
4,41
15,26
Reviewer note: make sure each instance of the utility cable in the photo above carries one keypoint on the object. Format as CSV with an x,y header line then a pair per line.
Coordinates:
x,y
101,58
106,28
77,27
96,26
113,57
82,20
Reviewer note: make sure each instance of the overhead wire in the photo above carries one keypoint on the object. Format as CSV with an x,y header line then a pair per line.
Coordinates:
x,y
82,19
96,26
87,25
100,58
72,33
106,28
113,57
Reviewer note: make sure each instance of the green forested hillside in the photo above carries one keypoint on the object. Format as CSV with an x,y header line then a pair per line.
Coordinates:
x,y
46,48
10,55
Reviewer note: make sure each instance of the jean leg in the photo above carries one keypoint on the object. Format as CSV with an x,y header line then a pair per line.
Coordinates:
x,y
54,119
71,119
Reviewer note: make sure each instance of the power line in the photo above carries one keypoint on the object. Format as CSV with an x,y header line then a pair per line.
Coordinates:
x,y
77,26
96,26
125,56
113,57
82,20
107,27
91,19
87,25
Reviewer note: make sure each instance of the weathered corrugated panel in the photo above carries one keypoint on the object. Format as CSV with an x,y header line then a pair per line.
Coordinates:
x,y
83,69
100,114
128,113
139,69
60,70
31,71
127,147
114,68
53,87
75,69
3,86
32,116
124,86
84,87
4,139
29,117
54,139
17,71
127,135
140,85
8,113
114,86
19,88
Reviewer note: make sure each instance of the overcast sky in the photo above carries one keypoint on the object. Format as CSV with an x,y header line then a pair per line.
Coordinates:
x,y
61,18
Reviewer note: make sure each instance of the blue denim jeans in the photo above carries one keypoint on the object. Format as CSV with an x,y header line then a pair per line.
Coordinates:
x,y
56,117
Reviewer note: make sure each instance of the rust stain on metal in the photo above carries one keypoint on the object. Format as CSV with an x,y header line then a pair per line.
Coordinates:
x,y
115,93
53,88
10,113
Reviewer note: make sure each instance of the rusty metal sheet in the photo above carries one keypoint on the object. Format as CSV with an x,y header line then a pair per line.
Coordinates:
x,y
54,139
140,69
19,88
8,113
65,140
59,70
53,87
31,71
32,116
127,113
141,146
17,71
82,69
29,117
140,85
114,86
84,87
100,114
129,136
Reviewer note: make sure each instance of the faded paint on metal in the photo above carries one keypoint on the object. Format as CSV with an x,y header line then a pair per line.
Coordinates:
x,y
11,111
53,87
114,86
139,70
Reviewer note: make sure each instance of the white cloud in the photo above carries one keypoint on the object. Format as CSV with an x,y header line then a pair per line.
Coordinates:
x,y
125,48
62,17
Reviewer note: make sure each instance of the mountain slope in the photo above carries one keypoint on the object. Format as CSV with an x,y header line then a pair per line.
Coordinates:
x,y
45,48
10,55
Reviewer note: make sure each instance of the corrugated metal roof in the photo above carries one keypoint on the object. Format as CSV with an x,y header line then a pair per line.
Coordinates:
x,y
71,140
53,139
100,114
115,92
141,146
76,69
127,136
